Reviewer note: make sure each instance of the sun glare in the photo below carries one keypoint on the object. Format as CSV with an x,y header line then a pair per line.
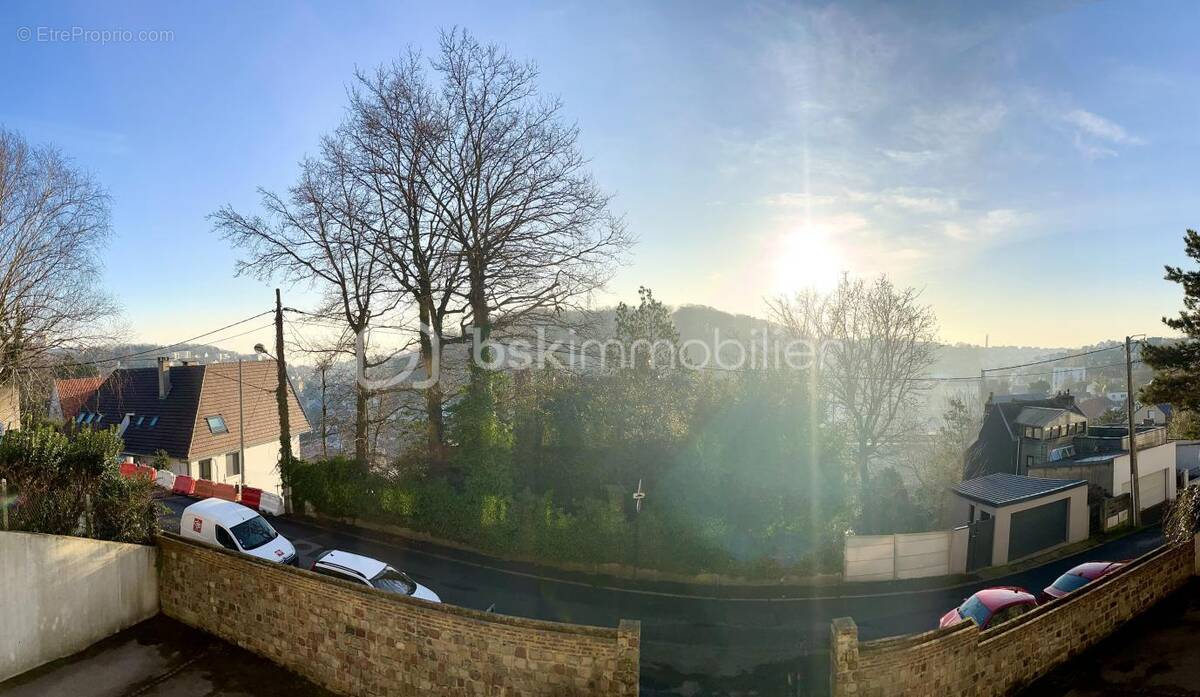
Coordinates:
x,y
807,258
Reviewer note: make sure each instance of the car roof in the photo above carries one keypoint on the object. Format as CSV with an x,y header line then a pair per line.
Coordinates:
x,y
225,512
996,598
368,567
1093,570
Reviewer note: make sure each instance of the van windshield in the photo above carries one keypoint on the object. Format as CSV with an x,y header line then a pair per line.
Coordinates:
x,y
254,533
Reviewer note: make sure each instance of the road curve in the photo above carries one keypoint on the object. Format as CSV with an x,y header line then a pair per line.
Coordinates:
x,y
691,645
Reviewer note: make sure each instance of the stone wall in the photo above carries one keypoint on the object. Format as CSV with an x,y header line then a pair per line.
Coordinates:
x,y
963,660
59,595
358,641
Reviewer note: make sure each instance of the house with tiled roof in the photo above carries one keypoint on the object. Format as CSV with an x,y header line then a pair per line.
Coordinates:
x,y
193,413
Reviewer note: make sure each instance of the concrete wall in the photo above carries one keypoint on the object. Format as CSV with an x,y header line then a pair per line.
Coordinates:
x,y
962,660
59,595
358,641
910,555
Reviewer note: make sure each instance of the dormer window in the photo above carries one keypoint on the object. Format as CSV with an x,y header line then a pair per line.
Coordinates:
x,y
216,424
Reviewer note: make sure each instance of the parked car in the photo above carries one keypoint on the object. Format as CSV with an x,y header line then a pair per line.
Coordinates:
x,y
991,606
231,525
356,568
1079,577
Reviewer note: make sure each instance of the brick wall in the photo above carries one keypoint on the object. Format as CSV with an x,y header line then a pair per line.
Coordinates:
x,y
358,641
963,660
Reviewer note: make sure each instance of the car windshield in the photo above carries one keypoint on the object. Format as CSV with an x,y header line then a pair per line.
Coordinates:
x,y
1069,582
976,610
254,533
394,581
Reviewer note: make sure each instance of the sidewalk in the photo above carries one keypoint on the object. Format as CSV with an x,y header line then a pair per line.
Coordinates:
x,y
160,658
1157,654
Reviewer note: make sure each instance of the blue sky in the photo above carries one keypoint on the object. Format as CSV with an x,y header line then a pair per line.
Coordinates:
x,y
1031,167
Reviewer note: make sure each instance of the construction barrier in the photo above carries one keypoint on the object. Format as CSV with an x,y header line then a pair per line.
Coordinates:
x,y
225,491
251,496
128,469
271,503
204,489
165,479
147,472
184,485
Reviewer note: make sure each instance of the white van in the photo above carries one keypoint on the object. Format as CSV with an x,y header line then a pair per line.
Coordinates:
x,y
222,523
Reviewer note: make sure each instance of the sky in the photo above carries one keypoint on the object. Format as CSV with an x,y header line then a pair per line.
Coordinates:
x,y
1029,166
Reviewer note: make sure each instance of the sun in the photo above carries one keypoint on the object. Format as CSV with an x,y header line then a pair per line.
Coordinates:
x,y
807,259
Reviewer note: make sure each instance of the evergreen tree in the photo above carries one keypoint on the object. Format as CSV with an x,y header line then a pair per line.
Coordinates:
x,y
1177,365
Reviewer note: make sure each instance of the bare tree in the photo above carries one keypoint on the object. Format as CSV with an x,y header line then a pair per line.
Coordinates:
x,y
54,222
876,343
394,124
534,230
320,235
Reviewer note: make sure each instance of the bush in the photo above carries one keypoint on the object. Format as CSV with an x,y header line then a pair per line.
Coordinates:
x,y
55,478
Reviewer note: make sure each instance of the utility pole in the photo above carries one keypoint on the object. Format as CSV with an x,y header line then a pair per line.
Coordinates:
x,y
241,427
324,417
1136,498
982,387
281,396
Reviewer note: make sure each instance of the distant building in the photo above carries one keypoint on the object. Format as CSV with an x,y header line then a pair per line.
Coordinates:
x,y
1095,407
192,413
1018,432
1051,438
1062,378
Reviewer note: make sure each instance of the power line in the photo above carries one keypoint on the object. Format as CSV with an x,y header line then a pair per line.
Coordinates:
x,y
158,349
1053,360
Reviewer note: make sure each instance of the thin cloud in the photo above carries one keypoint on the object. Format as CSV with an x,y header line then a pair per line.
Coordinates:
x,y
1099,127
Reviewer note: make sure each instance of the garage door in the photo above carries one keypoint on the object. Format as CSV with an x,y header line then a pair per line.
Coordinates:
x,y
1153,488
1035,529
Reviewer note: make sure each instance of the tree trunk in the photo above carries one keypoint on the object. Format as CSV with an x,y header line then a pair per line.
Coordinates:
x,y
869,517
431,356
360,425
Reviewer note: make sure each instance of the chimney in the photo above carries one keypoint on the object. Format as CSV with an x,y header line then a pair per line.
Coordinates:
x,y
164,377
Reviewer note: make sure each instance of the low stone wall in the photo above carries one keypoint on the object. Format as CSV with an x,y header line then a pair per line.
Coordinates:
x,y
358,641
59,595
963,660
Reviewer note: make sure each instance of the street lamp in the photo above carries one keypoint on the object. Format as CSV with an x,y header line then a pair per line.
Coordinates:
x,y
259,348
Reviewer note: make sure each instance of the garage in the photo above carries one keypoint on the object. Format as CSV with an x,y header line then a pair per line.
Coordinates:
x,y
1035,529
1017,516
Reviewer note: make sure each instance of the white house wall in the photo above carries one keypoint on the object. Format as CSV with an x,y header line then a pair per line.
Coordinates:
x,y
261,469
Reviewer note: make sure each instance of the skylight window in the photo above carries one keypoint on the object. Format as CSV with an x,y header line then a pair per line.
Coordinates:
x,y
140,420
153,421
216,424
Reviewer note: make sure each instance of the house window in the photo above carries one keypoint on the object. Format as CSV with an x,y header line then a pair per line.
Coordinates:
x,y
971,513
984,515
140,420
233,464
1028,462
206,468
153,422
1029,431
216,424
1037,432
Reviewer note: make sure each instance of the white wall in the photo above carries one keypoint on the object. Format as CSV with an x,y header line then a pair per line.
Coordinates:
x,y
911,555
1151,461
59,595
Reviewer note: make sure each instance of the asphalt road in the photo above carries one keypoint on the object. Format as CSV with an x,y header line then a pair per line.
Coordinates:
x,y
693,643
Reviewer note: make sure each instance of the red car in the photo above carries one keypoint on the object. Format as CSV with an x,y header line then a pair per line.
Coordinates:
x,y
991,606
1079,577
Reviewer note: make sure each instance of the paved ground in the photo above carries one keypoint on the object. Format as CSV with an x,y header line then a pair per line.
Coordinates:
x,y
160,658
697,642
1156,655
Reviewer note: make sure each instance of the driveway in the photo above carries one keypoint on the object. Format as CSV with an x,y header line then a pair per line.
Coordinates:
x,y
695,641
